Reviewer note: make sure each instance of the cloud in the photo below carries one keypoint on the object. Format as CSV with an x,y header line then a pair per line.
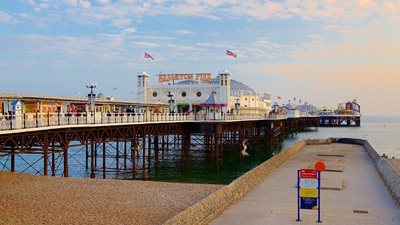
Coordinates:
x,y
143,44
103,2
129,30
5,17
185,32
391,7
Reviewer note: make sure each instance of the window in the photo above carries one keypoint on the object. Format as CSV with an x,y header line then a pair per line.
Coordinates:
x,y
245,99
198,94
155,94
183,94
252,99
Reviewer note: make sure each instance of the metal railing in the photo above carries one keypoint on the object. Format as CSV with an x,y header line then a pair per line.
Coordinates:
x,y
33,120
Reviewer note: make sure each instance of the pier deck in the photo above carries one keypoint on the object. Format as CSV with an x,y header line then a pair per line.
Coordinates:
x,y
357,195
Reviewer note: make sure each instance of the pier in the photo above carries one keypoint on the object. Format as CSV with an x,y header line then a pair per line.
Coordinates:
x,y
135,144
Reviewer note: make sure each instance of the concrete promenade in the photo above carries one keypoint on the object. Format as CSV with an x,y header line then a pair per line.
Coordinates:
x,y
352,192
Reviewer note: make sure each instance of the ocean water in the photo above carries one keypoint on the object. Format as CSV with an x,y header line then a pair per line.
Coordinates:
x,y
383,133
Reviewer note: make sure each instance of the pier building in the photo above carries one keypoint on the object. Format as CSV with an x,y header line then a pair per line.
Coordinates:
x,y
200,92
28,103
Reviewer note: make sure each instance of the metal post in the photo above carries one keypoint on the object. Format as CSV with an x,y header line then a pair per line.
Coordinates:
x,y
144,159
319,197
45,154
12,158
104,159
125,154
53,163
298,196
117,155
65,161
92,174
86,154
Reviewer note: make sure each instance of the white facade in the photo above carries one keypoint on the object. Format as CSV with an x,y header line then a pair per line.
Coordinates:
x,y
189,94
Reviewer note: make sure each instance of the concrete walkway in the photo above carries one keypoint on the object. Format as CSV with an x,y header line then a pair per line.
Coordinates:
x,y
352,193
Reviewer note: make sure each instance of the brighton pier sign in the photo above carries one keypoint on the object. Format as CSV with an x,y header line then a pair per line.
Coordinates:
x,y
203,77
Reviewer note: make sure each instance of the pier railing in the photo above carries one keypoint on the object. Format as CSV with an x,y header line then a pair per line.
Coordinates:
x,y
33,120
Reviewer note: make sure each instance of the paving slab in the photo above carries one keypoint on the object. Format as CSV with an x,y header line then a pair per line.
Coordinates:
x,y
362,199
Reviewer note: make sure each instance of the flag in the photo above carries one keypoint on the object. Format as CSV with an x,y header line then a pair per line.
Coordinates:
x,y
148,56
231,53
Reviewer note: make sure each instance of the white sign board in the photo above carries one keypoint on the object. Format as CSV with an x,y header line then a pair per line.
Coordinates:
x,y
309,183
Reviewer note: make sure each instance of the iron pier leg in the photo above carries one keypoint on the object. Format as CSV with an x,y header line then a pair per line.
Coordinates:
x,y
144,159
92,165
65,161
13,158
104,159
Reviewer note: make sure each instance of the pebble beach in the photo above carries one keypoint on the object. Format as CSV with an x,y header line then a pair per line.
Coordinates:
x,y
30,199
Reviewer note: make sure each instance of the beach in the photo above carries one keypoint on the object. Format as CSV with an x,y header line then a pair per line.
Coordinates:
x,y
30,199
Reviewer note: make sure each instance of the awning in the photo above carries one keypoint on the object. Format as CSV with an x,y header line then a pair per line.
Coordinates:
x,y
183,104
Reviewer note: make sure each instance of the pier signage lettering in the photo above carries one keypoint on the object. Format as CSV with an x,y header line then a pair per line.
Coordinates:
x,y
308,173
203,77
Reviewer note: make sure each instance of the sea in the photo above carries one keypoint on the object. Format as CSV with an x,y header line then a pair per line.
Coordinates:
x,y
382,132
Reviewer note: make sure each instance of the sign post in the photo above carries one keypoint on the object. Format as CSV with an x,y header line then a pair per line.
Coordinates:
x,y
308,191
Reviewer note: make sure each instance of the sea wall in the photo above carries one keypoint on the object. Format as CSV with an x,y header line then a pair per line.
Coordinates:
x,y
389,174
212,206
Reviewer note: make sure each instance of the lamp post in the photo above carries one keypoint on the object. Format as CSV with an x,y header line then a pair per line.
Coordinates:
x,y
305,103
91,95
237,105
170,101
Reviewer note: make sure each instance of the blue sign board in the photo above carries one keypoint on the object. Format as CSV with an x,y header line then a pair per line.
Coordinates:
x,y
309,203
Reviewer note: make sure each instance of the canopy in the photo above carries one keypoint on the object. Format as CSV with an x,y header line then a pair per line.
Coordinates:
x,y
183,104
213,101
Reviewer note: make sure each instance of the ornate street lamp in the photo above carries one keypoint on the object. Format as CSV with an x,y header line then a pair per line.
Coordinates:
x,y
237,105
91,95
170,101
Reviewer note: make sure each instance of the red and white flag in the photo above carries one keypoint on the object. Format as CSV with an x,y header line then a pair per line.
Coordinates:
x,y
148,56
231,53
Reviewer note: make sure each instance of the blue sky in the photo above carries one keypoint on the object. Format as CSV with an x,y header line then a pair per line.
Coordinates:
x,y
324,52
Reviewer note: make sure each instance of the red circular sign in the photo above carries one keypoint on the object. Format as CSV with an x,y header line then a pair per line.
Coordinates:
x,y
320,166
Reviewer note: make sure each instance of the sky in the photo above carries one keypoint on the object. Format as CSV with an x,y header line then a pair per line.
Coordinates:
x,y
323,52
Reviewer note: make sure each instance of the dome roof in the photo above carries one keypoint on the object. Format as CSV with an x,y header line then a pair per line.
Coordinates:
x,y
237,88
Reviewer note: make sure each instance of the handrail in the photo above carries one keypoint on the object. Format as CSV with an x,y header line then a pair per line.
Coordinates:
x,y
32,120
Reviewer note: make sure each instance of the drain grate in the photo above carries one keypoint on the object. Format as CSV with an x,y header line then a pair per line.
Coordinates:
x,y
360,211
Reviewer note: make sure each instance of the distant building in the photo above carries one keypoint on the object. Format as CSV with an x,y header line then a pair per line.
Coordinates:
x,y
190,92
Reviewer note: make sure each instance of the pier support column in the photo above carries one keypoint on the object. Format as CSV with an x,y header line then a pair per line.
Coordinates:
x,y
45,154
185,150
156,150
65,152
117,156
13,158
104,159
53,160
144,158
92,165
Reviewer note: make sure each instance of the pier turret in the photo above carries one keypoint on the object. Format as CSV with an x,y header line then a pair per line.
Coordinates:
x,y
142,86
225,86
